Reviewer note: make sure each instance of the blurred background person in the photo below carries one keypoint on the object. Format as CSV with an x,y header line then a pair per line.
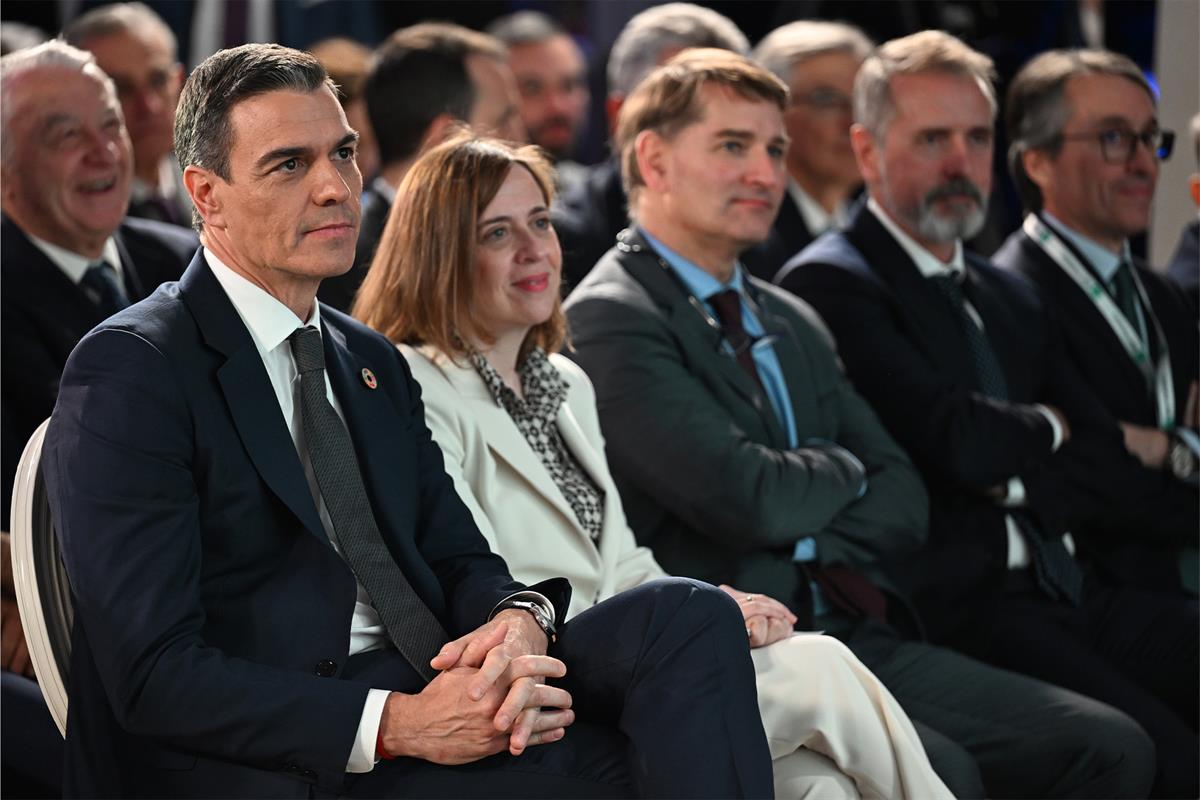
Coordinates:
x,y
137,50
423,83
818,62
1184,266
551,76
347,62
593,212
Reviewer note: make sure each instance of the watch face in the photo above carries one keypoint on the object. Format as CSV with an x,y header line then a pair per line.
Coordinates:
x,y
1182,461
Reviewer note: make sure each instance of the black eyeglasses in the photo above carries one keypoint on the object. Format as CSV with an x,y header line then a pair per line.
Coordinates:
x,y
1117,145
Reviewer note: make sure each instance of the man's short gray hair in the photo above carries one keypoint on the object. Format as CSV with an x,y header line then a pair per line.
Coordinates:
x,y
55,54
798,41
640,45
118,18
1036,112
927,51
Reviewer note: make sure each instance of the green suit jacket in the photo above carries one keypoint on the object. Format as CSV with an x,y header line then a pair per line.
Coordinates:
x,y
703,465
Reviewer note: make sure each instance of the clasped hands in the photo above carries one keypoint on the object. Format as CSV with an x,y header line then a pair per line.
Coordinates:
x,y
489,695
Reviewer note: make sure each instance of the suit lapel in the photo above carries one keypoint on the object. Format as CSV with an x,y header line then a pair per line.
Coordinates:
x,y
43,287
1078,308
503,436
688,320
248,391
135,288
917,300
795,367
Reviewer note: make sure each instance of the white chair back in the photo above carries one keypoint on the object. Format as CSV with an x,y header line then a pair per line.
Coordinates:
x,y
43,591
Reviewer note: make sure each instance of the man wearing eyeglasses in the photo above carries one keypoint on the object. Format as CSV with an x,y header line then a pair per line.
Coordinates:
x,y
1087,177
963,363
818,61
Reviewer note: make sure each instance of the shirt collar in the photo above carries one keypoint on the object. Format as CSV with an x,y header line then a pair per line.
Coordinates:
x,y
385,190
73,264
928,264
1103,260
815,217
696,279
270,322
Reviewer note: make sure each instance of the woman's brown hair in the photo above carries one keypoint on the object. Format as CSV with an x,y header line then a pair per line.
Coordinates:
x,y
421,285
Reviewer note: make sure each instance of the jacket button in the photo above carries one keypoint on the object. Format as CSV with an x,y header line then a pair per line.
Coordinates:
x,y
326,669
309,774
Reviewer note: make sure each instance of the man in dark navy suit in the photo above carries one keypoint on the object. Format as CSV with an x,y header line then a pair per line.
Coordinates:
x,y
278,592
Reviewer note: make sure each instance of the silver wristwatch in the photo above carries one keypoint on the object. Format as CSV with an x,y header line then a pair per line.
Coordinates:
x,y
1181,459
544,620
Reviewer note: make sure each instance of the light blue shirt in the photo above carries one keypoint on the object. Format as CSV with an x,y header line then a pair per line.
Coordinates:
x,y
1104,261
703,286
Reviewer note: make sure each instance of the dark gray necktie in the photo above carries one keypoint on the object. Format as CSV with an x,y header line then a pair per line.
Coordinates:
x,y
410,624
983,358
728,305
101,281
1125,293
1056,571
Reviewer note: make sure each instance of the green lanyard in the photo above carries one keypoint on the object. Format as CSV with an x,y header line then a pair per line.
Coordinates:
x,y
1122,328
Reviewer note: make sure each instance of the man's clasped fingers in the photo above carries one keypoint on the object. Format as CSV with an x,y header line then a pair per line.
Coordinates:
x,y
509,662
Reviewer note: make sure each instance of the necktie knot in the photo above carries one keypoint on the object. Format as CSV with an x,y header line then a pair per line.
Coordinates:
x,y
101,281
307,349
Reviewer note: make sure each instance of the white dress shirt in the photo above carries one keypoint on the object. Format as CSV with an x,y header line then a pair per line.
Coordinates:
x,y
270,323
75,266
815,217
931,266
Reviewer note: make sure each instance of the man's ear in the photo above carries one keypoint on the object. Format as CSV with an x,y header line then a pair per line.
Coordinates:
x,y
612,110
866,153
204,187
1037,165
650,149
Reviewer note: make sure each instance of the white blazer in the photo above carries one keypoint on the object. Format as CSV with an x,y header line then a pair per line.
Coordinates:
x,y
833,729
515,502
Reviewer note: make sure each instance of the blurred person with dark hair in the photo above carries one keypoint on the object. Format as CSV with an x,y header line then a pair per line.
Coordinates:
x,y
423,83
347,63
818,62
137,50
964,363
552,78
591,213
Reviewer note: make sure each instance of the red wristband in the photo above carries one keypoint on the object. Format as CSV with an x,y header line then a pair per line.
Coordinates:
x,y
380,750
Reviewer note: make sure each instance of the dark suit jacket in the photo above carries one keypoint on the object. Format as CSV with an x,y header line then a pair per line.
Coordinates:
x,y
213,617
1168,509
44,315
1184,267
703,465
340,290
904,350
587,218
789,235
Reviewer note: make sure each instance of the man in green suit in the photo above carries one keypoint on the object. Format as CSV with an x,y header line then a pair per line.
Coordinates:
x,y
744,456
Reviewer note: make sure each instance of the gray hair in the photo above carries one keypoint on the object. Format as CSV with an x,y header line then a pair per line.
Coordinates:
x,y
54,54
783,48
1195,129
640,45
118,18
524,27
927,51
1037,112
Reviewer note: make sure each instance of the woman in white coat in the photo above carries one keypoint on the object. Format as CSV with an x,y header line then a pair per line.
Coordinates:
x,y
467,276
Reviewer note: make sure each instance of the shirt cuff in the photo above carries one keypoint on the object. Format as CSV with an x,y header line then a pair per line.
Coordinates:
x,y
1055,426
805,550
1016,493
532,597
1189,437
362,755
